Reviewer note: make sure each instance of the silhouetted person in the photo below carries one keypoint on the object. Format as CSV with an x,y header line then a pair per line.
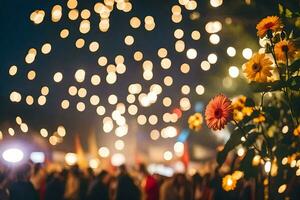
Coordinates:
x,y
149,184
4,193
197,186
55,186
126,189
99,188
22,188
72,189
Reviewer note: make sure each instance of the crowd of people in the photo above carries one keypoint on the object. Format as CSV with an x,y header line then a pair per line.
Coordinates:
x,y
33,182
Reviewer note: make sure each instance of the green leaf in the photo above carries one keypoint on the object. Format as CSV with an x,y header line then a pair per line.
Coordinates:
x,y
234,140
251,139
249,128
264,149
267,87
294,83
271,112
294,66
249,102
281,151
280,9
246,165
288,13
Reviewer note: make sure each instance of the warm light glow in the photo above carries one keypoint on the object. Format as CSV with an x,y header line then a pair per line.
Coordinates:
x,y
80,75
119,145
195,35
214,39
282,188
212,58
200,89
117,159
13,70
267,166
37,157
44,132
247,53
58,76
205,65
71,158
233,71
179,148
168,155
13,155
103,152
191,54
94,163
154,134
231,51
216,3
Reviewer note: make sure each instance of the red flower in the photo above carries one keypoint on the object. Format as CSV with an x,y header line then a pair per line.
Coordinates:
x,y
218,112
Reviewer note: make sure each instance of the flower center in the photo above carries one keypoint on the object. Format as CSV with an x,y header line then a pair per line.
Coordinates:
x,y
285,48
218,113
269,25
256,67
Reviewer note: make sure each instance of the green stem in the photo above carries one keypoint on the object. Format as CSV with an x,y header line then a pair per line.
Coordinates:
x,y
274,57
245,135
287,91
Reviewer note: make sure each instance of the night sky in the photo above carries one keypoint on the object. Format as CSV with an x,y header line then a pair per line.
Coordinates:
x,y
18,34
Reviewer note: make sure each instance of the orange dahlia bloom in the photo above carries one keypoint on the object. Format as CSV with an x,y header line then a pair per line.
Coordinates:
x,y
258,68
228,183
272,23
218,112
285,48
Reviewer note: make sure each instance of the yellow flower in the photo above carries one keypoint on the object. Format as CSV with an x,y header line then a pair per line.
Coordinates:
x,y
297,131
285,48
239,108
261,118
228,183
258,68
195,121
272,23
247,111
237,175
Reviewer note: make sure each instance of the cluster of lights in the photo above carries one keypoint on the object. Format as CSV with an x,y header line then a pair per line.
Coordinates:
x,y
16,155
113,70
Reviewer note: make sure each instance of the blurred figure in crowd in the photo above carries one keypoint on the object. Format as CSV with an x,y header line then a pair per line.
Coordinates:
x,y
126,188
55,185
38,179
197,187
72,189
4,193
99,188
149,184
22,188
176,188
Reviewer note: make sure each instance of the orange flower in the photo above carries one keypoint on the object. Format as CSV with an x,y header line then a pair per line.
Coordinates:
x,y
285,48
297,131
272,23
260,119
258,68
218,112
228,183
